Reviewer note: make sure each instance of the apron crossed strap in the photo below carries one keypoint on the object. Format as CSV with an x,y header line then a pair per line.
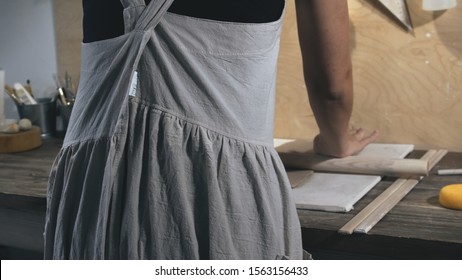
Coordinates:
x,y
132,3
138,16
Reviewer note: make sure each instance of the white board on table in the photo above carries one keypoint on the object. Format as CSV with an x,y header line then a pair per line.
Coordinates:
x,y
332,192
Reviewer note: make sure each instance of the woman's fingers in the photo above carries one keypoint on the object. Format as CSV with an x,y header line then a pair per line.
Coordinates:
x,y
370,138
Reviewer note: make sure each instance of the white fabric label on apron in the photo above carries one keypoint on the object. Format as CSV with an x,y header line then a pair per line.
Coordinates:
x,y
133,84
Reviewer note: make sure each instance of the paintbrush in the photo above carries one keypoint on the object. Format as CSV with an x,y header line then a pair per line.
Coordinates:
x,y
69,89
62,96
10,91
28,87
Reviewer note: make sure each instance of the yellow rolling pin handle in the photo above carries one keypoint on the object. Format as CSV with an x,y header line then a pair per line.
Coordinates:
x,y
451,196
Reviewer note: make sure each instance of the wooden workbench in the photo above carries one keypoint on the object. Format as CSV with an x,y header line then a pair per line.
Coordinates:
x,y
417,228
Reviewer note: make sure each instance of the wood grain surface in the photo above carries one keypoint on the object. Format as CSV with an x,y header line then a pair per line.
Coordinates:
x,y
350,227
409,86
417,216
26,173
21,141
68,27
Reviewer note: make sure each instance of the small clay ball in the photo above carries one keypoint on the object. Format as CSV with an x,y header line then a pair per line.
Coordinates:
x,y
25,124
11,128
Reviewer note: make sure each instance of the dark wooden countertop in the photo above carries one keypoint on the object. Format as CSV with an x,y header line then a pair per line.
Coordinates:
x,y
26,173
417,228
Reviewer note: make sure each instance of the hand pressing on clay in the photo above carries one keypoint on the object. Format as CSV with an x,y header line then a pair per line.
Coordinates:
x,y
353,143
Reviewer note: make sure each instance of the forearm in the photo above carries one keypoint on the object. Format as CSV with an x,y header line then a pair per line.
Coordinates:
x,y
324,40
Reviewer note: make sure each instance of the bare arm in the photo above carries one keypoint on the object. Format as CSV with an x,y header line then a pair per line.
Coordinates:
x,y
323,27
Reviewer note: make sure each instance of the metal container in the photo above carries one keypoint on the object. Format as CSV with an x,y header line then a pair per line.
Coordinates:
x,y
65,113
42,114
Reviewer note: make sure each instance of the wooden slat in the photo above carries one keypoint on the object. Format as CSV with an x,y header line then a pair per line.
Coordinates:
x,y
361,216
433,161
378,213
428,155
378,208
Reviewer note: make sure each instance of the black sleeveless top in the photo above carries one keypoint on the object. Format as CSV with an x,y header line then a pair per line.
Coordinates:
x,y
103,19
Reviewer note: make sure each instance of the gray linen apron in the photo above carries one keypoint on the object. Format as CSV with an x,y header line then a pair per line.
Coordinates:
x,y
169,150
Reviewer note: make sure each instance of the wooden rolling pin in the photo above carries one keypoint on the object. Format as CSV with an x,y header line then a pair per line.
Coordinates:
x,y
301,156
357,165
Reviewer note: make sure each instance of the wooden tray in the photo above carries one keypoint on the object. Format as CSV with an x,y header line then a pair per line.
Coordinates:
x,y
21,141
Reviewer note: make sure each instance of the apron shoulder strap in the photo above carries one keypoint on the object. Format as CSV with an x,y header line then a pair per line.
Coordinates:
x,y
152,14
132,3
132,11
141,17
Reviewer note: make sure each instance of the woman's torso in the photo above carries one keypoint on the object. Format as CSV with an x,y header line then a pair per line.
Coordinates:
x,y
103,18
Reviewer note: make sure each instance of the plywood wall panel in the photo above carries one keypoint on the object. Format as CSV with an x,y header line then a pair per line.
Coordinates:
x,y
409,86
68,28
294,118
